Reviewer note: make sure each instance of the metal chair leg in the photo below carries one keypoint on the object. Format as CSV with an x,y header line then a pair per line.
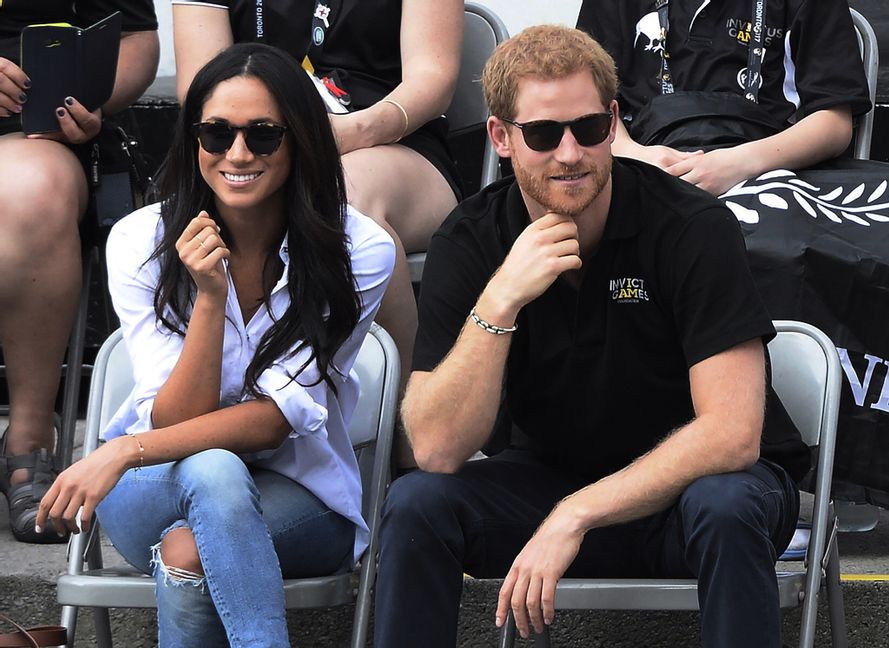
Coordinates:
x,y
103,628
542,640
74,368
69,620
508,632
835,606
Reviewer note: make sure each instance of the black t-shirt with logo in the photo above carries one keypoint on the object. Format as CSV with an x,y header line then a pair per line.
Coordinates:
x,y
361,39
812,60
597,376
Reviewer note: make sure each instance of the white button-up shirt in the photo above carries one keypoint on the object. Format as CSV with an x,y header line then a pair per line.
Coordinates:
x,y
318,453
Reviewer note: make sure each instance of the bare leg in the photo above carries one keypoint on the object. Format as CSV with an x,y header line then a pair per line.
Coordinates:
x,y
404,193
44,195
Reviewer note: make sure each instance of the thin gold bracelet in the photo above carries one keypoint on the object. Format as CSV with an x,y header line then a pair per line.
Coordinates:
x,y
141,452
407,121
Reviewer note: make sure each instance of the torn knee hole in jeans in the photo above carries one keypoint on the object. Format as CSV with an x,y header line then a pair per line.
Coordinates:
x,y
176,576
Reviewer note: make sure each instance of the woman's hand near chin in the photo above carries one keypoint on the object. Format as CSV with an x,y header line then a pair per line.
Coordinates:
x,y
201,249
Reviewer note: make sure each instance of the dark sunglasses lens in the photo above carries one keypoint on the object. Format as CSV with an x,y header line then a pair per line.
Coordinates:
x,y
591,130
216,138
543,135
264,139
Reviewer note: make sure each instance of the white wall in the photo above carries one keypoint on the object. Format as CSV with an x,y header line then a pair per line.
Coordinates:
x,y
517,14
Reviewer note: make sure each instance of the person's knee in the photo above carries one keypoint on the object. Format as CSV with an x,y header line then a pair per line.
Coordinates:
x,y
728,504
178,556
420,499
49,190
218,479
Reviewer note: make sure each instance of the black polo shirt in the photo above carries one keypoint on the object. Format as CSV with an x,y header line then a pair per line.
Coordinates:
x,y
812,60
597,376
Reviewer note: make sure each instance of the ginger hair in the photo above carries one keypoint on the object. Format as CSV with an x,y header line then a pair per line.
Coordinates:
x,y
545,52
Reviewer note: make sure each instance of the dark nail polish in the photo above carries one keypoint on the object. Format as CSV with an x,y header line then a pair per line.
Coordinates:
x,y
60,112
27,83
23,98
69,101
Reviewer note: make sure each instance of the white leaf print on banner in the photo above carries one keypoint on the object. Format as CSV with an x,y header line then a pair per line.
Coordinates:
x,y
772,191
750,216
773,201
854,195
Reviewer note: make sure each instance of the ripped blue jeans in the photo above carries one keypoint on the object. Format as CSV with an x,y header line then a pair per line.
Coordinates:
x,y
251,526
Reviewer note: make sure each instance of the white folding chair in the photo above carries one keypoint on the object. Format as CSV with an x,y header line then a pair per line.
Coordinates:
x,y
870,57
806,375
371,432
482,32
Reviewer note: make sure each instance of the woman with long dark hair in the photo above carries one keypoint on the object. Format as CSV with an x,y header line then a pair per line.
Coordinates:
x,y
244,296
391,67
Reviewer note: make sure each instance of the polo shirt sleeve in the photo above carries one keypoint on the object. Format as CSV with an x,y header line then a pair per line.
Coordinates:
x,y
715,303
610,24
453,279
137,15
293,382
825,53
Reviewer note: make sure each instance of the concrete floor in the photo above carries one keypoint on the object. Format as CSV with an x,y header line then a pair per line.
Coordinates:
x,y
27,593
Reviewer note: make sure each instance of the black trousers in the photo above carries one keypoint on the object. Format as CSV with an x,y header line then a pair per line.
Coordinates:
x,y
725,530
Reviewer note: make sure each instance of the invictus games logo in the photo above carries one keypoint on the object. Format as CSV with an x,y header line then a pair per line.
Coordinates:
x,y
628,290
742,31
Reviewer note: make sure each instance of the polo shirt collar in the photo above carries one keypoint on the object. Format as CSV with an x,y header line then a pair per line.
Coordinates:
x,y
623,213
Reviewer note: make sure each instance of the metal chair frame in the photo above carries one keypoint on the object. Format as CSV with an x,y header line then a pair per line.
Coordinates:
x,y
870,57
371,431
483,30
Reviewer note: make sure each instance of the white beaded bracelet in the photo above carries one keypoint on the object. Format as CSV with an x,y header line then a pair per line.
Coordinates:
x,y
490,328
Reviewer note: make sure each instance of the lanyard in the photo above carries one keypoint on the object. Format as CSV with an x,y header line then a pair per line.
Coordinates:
x,y
323,17
756,50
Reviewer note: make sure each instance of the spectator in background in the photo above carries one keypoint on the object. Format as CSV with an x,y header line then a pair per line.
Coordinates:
x,y
44,193
243,297
705,98
397,64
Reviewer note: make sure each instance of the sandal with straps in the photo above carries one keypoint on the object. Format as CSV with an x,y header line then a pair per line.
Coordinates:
x,y
24,498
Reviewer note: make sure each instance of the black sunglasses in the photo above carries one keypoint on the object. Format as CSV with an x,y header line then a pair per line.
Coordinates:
x,y
217,137
546,134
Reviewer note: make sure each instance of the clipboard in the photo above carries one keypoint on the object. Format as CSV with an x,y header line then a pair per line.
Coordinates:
x,y
66,61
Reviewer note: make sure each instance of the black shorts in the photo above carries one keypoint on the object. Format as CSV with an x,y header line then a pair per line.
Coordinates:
x,y
10,124
429,141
